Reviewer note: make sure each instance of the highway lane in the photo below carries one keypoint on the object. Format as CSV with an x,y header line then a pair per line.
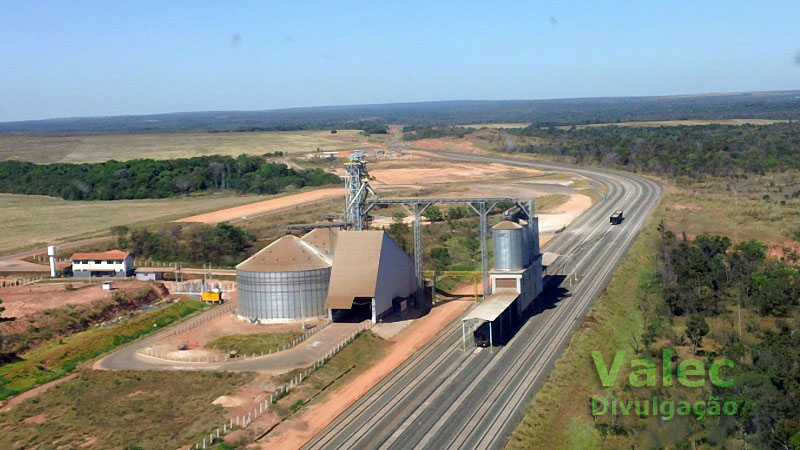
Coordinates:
x,y
444,397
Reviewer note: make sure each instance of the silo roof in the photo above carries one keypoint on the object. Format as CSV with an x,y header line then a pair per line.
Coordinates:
x,y
507,225
323,238
287,254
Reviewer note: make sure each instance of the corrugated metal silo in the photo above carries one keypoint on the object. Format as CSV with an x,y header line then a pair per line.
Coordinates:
x,y
508,246
287,280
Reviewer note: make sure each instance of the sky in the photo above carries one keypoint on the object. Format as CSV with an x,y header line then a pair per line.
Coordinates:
x,y
75,58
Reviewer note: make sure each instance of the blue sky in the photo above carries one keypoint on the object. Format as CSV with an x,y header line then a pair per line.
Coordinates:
x,y
73,58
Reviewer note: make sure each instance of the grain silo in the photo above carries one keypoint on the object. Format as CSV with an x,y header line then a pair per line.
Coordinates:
x,y
285,281
510,245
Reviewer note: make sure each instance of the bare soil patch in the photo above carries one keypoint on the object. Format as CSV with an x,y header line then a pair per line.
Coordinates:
x,y
447,144
787,250
447,173
562,215
22,301
267,206
37,419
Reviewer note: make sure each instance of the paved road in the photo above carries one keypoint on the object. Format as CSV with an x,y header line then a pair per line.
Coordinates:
x,y
443,397
303,355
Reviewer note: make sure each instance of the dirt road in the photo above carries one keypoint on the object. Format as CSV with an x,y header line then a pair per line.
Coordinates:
x,y
267,206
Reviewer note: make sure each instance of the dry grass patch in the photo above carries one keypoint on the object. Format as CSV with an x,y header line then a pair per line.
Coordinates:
x,y
742,218
102,147
130,409
246,344
29,220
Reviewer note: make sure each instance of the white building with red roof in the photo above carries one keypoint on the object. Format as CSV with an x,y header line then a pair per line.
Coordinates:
x,y
113,263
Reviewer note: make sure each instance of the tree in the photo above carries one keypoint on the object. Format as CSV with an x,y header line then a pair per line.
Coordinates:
x,y
458,212
441,258
472,243
433,214
696,328
120,231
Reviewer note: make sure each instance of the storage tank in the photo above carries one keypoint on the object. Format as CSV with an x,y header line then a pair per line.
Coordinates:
x,y
285,281
508,246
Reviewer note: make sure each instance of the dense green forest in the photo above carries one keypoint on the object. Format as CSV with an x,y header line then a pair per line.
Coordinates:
x,y
720,150
709,280
221,245
147,178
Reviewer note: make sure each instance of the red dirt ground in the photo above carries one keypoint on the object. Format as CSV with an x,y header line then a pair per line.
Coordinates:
x,y
21,301
784,249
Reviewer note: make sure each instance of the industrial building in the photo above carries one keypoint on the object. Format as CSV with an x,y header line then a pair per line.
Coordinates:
x,y
515,280
371,275
113,263
285,281
349,273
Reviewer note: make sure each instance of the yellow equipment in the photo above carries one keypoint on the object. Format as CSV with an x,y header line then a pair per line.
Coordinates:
x,y
211,297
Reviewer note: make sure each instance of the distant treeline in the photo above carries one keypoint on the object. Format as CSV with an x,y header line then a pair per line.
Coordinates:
x,y
719,150
415,132
366,126
769,105
147,178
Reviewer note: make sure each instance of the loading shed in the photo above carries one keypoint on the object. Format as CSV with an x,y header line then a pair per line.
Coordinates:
x,y
369,271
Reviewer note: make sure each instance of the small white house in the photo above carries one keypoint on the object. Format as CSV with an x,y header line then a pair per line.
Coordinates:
x,y
113,263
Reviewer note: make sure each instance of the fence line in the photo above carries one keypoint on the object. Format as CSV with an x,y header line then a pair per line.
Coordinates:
x,y
243,421
227,358
197,286
20,281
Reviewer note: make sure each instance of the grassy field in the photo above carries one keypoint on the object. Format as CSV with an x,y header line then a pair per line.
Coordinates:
x,y
558,416
254,343
29,220
102,147
61,356
97,409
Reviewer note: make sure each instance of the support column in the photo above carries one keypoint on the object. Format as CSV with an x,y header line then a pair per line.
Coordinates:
x,y
483,212
491,339
418,248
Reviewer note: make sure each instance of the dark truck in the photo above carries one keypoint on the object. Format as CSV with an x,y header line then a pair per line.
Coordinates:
x,y
616,218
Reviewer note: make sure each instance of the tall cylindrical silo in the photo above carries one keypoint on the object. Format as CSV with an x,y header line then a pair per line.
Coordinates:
x,y
508,246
